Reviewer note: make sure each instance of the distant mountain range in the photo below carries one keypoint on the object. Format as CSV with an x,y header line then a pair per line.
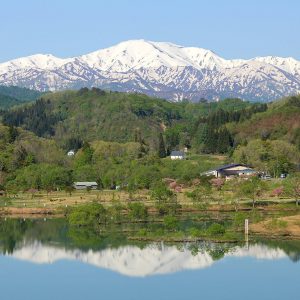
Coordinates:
x,y
159,69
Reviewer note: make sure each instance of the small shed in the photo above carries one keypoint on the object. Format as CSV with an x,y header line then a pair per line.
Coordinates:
x,y
82,185
177,155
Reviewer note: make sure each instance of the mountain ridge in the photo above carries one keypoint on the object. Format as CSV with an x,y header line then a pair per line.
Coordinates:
x,y
159,69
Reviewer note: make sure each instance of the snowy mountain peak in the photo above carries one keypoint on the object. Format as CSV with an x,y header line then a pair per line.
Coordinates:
x,y
40,61
159,69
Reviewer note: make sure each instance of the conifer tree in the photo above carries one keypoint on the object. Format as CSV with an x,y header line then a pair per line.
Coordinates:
x,y
161,146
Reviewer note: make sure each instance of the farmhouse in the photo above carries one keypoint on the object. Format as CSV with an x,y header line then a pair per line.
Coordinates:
x,y
85,184
231,170
177,155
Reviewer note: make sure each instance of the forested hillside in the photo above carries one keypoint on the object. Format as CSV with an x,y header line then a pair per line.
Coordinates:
x,y
98,115
8,101
13,95
270,140
123,139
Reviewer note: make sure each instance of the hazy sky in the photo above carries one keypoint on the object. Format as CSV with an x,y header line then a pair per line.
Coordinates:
x,y
231,28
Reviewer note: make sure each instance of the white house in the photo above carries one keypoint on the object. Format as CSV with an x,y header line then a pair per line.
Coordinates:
x,y
177,155
71,153
82,185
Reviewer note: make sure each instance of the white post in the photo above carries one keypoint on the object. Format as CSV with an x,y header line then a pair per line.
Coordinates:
x,y
246,227
247,233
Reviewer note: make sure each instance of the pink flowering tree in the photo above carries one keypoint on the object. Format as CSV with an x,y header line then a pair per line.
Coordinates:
x,y
217,183
277,192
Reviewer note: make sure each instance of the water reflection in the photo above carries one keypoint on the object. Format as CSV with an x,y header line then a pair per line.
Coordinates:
x,y
150,260
48,242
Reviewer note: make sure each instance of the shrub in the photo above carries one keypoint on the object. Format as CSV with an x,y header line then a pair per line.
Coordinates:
x,y
165,200
137,211
195,232
239,219
216,229
171,222
87,215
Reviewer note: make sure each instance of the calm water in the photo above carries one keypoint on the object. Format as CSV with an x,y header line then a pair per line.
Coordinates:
x,y
47,260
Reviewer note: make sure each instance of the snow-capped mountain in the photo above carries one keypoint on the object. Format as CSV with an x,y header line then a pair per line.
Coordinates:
x,y
159,69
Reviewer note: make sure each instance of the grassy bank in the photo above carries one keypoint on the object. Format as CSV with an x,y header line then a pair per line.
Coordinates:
x,y
103,209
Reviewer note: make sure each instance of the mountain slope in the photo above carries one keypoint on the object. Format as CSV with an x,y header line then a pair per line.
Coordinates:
x,y
91,115
21,94
13,95
159,69
281,121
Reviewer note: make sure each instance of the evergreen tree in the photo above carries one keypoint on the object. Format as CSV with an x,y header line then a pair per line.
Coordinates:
x,y
224,141
161,146
74,143
12,134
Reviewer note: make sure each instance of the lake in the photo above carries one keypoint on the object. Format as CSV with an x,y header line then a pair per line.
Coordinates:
x,y
45,259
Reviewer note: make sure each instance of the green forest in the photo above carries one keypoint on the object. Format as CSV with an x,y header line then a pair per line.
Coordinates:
x,y
125,139
13,95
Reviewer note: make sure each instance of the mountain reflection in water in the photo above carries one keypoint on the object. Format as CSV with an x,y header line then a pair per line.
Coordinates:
x,y
48,242
134,261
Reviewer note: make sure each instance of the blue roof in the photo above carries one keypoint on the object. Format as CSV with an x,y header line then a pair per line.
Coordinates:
x,y
177,153
229,166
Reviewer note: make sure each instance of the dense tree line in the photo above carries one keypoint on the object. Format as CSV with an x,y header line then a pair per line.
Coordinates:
x,y
93,114
211,133
19,93
37,118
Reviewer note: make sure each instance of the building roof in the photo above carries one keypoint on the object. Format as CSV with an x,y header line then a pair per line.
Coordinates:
x,y
177,153
230,166
86,183
224,167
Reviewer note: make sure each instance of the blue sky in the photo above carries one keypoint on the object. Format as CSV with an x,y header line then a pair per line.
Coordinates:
x,y
231,28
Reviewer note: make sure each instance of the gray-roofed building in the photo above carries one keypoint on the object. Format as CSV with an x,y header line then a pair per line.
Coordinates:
x,y
231,170
177,155
82,185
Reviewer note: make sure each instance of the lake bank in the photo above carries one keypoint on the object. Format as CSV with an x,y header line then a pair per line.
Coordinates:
x,y
120,207
284,227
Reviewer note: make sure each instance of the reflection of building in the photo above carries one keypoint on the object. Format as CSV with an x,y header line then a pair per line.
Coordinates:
x,y
231,170
86,184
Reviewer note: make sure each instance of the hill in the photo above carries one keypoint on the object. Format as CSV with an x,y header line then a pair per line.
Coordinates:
x,y
270,140
13,95
111,116
123,139
280,121
8,101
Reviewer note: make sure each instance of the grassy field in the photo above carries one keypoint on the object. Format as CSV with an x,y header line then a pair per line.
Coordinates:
x,y
59,199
